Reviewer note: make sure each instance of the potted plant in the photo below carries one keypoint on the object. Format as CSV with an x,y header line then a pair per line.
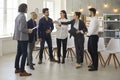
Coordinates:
x,y
108,17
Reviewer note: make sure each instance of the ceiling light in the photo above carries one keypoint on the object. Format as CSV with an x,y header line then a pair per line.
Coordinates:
x,y
89,6
115,10
81,9
105,5
72,12
97,12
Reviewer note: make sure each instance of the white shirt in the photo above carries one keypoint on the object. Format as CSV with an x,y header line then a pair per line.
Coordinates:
x,y
62,31
93,27
76,25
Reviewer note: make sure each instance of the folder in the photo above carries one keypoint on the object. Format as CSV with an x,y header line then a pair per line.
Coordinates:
x,y
72,31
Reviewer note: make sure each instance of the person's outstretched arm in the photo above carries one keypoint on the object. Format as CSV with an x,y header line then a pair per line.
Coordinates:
x,y
67,23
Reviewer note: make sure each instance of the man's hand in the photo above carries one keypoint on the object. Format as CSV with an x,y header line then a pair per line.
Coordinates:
x,y
48,31
56,22
40,39
30,30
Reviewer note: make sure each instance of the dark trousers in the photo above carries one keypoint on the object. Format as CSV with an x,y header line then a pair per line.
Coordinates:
x,y
21,53
93,49
64,45
79,46
49,43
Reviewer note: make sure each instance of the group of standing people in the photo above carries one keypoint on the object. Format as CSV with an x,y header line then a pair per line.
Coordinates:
x,y
26,34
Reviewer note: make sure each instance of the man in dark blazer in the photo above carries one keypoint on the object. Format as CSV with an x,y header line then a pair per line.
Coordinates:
x,y
44,33
31,24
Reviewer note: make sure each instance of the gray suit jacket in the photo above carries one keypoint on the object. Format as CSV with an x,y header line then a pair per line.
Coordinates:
x,y
21,31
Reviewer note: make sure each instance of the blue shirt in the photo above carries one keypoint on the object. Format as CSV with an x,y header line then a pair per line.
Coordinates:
x,y
43,26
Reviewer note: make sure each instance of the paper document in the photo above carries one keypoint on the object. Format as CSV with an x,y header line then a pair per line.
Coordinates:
x,y
34,28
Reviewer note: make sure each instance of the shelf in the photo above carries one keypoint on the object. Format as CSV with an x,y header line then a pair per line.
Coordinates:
x,y
111,21
111,14
108,37
111,30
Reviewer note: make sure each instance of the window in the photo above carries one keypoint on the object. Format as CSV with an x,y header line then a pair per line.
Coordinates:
x,y
11,15
50,5
8,13
1,15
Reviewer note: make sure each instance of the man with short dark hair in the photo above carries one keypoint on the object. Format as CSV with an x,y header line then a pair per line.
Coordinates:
x,y
44,34
93,39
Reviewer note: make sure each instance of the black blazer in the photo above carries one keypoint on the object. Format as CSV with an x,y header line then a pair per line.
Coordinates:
x,y
82,25
31,24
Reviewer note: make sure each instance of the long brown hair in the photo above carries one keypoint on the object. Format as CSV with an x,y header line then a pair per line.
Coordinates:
x,y
63,11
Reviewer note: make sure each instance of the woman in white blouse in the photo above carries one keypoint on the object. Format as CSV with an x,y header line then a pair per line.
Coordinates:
x,y
61,36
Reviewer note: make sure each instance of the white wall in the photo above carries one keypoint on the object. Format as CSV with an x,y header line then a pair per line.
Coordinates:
x,y
32,4
58,5
7,45
98,4
63,4
57,8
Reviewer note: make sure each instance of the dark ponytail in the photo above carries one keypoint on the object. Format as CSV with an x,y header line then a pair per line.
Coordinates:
x,y
63,11
78,14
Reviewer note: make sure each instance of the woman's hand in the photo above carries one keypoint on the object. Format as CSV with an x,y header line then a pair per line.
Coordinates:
x,y
79,31
55,22
40,39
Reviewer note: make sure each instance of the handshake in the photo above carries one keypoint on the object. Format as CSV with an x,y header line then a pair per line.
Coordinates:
x,y
56,22
30,30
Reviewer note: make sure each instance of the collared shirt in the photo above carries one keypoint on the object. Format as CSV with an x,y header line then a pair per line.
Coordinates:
x,y
62,31
76,25
43,26
93,27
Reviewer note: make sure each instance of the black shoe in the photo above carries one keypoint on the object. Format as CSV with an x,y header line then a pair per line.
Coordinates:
x,y
27,64
58,60
63,60
93,69
31,67
90,66
32,64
